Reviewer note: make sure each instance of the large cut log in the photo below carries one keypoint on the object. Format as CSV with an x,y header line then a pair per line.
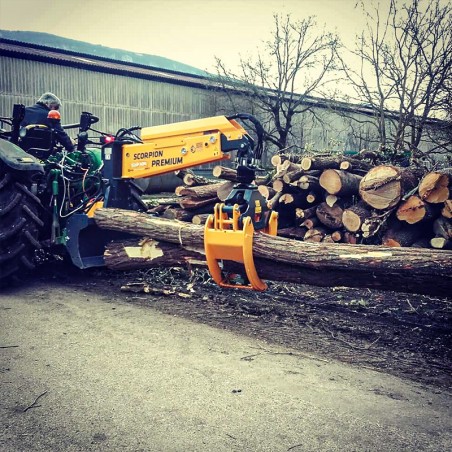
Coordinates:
x,y
414,210
340,183
383,186
403,269
354,216
434,186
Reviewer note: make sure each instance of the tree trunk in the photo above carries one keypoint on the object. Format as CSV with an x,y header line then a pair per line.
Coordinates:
x,y
416,270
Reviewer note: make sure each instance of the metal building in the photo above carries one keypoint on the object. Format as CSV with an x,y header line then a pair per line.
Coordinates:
x,y
121,94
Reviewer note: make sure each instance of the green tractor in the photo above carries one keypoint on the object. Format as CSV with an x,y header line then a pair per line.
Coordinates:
x,y
47,194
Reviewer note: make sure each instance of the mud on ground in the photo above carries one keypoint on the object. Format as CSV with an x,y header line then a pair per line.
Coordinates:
x,y
406,335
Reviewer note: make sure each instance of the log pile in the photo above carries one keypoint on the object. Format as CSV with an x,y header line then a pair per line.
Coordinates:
x,y
334,199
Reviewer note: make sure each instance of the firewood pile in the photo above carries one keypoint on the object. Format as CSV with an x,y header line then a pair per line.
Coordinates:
x,y
332,199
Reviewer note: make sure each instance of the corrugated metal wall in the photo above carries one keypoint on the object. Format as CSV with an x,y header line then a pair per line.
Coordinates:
x,y
119,101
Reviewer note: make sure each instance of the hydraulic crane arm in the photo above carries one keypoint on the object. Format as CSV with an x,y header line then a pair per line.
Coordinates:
x,y
171,147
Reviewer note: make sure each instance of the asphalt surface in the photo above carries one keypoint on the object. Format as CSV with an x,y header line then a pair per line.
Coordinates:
x,y
83,372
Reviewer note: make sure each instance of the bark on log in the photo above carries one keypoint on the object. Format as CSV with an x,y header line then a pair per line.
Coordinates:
x,y
331,217
295,232
192,180
317,163
190,203
399,235
403,269
200,218
350,238
383,186
446,211
224,190
202,191
310,223
307,213
442,227
350,164
316,234
222,172
266,191
177,213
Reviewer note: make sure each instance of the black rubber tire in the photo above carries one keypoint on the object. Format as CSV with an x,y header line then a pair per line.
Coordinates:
x,y
20,226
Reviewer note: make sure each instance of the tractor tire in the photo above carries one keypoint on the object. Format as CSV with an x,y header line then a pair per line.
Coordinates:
x,y
20,226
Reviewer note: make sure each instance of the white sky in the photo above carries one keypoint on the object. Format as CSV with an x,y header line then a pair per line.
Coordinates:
x,y
188,31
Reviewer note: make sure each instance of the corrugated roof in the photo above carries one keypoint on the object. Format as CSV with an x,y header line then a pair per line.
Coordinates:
x,y
89,62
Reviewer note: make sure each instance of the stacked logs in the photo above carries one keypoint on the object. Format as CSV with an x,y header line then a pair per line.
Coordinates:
x,y
333,199
341,199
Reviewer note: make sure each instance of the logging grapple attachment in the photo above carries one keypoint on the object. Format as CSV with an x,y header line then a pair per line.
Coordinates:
x,y
228,234
48,195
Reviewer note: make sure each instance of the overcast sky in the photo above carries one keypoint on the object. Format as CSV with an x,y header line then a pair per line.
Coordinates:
x,y
189,31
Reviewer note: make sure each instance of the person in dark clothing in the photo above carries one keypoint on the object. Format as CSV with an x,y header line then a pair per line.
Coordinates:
x,y
38,114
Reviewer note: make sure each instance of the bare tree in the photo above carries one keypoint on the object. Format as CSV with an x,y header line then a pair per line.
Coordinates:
x,y
405,66
281,80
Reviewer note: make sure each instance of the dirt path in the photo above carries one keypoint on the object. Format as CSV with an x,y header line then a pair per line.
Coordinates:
x,y
85,369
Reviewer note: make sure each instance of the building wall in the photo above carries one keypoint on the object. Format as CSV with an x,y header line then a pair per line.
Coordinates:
x,y
118,100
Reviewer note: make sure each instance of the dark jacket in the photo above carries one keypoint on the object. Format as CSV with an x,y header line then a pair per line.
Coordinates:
x,y
37,114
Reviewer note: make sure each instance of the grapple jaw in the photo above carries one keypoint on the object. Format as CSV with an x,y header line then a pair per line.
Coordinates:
x,y
228,235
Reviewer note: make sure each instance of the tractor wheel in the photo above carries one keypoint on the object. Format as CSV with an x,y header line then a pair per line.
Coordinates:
x,y
20,226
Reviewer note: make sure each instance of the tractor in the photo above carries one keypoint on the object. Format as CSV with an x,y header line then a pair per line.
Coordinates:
x,y
48,195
